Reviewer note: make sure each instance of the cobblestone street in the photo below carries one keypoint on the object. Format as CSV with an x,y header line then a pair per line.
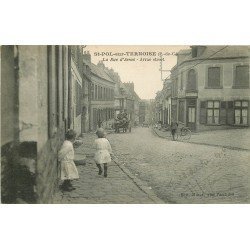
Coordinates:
x,y
119,187
230,138
183,172
157,170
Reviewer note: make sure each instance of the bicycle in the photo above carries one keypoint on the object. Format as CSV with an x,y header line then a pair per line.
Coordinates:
x,y
183,133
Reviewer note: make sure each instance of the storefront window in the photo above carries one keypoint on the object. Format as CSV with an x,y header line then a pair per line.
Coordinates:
x,y
241,112
213,112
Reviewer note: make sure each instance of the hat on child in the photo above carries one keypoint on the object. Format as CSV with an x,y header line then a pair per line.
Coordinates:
x,y
100,132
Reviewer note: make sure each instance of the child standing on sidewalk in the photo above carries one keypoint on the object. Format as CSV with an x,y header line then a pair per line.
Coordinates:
x,y
66,157
103,151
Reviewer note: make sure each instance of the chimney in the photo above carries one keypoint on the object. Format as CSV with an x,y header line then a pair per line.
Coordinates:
x,y
101,65
87,56
130,85
197,50
201,49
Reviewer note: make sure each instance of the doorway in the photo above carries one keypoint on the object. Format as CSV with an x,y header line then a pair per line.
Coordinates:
x,y
191,114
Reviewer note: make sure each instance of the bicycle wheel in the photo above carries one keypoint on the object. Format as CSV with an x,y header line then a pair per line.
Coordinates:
x,y
186,133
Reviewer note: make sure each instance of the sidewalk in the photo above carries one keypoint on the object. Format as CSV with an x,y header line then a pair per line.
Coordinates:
x,y
119,187
231,138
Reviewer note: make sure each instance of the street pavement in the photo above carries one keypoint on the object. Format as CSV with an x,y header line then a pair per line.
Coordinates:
x,y
118,188
229,138
152,169
181,172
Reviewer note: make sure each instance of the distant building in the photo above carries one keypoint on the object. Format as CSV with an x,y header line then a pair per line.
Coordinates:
x,y
146,112
102,97
133,103
210,87
163,103
125,98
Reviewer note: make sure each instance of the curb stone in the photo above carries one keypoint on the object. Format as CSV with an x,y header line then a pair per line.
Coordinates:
x,y
203,143
58,197
140,184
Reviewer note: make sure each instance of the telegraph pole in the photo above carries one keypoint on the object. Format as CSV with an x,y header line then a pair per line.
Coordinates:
x,y
161,69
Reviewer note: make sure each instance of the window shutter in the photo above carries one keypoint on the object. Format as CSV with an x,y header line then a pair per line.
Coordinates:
x,y
203,112
223,113
230,113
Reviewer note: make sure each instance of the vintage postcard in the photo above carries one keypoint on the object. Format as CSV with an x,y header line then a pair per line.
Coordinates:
x,y
125,124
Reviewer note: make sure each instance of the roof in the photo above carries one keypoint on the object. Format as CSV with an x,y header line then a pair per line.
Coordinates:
x,y
132,92
98,71
214,52
184,51
126,93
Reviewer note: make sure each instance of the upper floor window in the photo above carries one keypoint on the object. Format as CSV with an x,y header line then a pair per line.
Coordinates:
x,y
191,84
96,92
174,87
242,76
181,87
214,77
92,91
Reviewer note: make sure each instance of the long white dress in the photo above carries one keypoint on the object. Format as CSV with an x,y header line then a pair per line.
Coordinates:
x,y
103,151
66,158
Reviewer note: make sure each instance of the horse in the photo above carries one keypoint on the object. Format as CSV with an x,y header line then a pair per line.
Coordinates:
x,y
124,124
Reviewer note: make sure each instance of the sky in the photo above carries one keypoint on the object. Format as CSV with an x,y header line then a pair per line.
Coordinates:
x,y
142,69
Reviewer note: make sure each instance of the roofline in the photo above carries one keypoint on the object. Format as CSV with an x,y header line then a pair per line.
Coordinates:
x,y
102,78
208,59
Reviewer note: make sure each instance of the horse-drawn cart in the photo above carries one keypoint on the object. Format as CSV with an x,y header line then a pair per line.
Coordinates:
x,y
116,125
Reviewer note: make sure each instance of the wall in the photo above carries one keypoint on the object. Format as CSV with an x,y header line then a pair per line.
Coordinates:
x,y
28,89
47,166
76,79
42,101
225,93
100,104
19,155
9,122
9,98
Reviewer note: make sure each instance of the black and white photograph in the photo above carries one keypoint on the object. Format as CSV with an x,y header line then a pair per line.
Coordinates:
x,y
124,125
99,124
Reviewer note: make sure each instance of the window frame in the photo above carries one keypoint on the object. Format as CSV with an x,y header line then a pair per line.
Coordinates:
x,y
241,107
213,109
235,86
182,81
221,76
196,82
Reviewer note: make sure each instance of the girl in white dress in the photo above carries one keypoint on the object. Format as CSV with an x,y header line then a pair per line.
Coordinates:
x,y
103,152
66,157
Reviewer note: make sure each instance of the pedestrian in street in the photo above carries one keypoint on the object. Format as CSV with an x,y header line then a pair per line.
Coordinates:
x,y
66,158
99,123
174,126
103,152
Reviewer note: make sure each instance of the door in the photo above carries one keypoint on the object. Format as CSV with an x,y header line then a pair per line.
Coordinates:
x,y
191,114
